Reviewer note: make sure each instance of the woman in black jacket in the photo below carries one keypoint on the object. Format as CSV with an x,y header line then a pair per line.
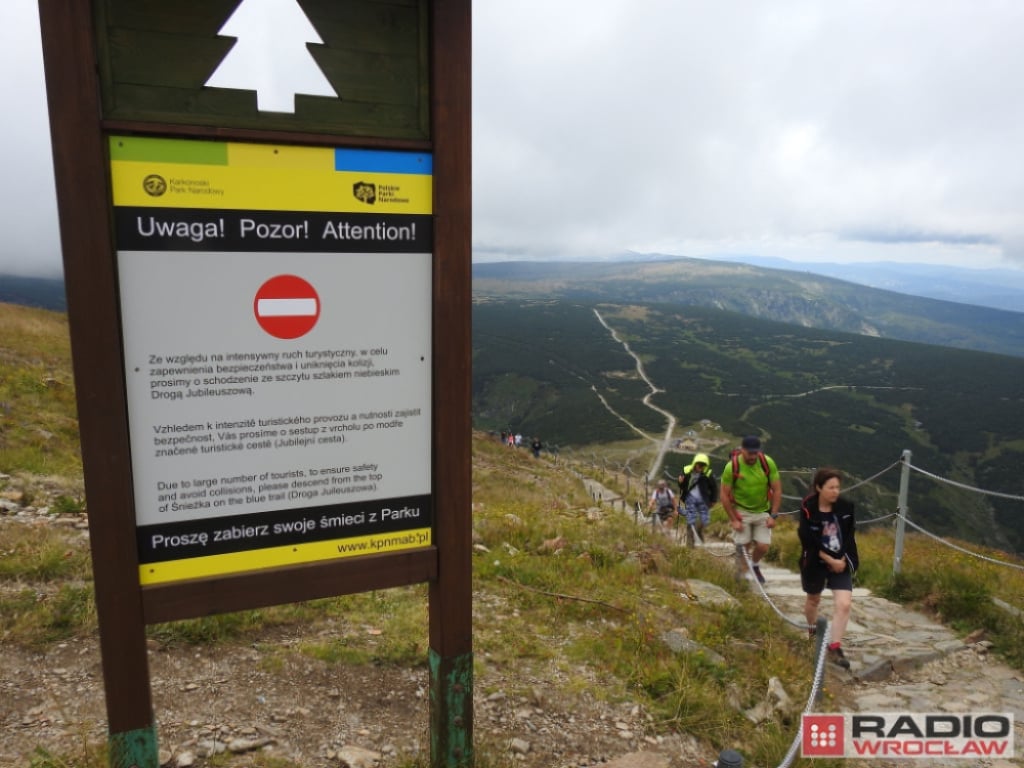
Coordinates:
x,y
829,557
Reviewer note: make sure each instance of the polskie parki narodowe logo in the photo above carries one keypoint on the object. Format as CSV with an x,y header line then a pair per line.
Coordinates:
x,y
891,734
365,192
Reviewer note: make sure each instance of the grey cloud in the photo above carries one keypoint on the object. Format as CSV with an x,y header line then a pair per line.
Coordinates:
x,y
896,236
847,130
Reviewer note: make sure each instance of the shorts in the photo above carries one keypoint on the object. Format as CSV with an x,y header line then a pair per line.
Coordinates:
x,y
814,579
755,528
666,512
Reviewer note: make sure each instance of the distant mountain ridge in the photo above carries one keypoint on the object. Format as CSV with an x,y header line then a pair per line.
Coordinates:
x,y
40,292
792,295
994,288
800,298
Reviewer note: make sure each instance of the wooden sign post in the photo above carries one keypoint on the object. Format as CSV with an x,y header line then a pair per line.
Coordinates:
x,y
265,220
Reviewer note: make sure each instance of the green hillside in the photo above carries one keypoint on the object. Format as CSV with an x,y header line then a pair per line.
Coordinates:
x,y
38,418
819,397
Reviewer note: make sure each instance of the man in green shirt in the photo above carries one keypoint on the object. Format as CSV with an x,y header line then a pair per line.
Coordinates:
x,y
751,495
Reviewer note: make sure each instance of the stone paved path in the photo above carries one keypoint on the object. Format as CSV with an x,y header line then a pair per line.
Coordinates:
x,y
902,661
881,637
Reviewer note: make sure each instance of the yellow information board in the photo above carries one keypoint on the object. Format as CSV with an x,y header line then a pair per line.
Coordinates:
x,y
276,305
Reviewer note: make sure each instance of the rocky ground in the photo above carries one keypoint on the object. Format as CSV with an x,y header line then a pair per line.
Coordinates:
x,y
249,704
315,715
231,699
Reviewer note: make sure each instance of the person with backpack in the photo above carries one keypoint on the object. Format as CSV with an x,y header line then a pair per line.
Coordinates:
x,y
751,495
535,446
663,504
829,556
698,490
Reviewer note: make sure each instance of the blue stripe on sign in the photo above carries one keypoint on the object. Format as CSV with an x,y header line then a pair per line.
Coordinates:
x,y
383,161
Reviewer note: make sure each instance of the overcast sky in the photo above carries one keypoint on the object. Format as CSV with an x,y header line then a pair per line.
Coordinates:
x,y
839,130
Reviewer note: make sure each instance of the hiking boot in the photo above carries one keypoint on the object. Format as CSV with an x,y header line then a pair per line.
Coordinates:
x,y
836,656
758,574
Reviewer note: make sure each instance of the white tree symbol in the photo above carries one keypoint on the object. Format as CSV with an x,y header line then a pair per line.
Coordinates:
x,y
270,55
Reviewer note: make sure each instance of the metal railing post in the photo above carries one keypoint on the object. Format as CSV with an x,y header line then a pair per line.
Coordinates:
x,y
901,512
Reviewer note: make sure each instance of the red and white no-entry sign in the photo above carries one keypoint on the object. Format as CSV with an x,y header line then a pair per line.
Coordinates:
x,y
286,306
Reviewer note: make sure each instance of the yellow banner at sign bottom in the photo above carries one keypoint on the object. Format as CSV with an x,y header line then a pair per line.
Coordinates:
x,y
292,554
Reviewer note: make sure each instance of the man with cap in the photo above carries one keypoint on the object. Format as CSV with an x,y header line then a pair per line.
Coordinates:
x,y
698,490
751,495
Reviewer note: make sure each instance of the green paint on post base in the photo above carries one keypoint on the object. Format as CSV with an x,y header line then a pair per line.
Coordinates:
x,y
451,710
133,749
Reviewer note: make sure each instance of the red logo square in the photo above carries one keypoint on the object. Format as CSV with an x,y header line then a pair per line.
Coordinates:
x,y
823,736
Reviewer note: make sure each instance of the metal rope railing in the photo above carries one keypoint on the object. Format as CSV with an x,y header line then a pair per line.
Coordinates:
x,y
873,520
951,545
874,477
741,552
822,629
964,486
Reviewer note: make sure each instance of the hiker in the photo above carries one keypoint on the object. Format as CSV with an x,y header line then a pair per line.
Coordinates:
x,y
699,491
829,557
536,446
751,495
662,504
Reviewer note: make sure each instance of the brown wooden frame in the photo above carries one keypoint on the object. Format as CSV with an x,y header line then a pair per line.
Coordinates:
x,y
81,169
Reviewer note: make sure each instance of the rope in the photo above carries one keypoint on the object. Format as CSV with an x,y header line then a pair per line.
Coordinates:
x,y
845,490
873,477
822,631
741,550
961,549
822,634
965,487
873,520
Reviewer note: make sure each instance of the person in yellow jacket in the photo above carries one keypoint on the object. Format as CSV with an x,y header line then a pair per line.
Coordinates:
x,y
698,491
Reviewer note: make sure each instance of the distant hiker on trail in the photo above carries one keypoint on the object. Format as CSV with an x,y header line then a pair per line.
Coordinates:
x,y
535,446
663,503
699,491
751,495
829,557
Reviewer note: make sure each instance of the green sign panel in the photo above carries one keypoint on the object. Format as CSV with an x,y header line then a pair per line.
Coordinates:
x,y
357,68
